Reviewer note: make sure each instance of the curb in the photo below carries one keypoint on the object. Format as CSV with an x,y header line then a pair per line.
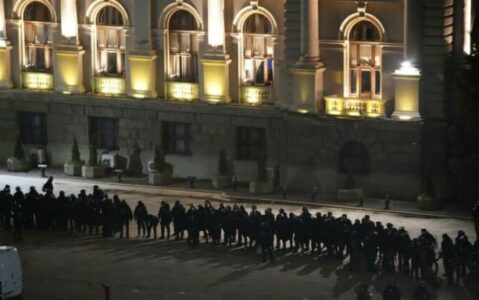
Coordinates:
x,y
225,196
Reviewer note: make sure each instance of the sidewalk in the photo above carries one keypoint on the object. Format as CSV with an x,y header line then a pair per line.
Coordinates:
x,y
204,190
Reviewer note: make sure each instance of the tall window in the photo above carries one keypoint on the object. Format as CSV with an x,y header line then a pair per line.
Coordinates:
x,y
37,22
251,143
33,128
183,47
365,61
257,51
105,131
177,138
110,56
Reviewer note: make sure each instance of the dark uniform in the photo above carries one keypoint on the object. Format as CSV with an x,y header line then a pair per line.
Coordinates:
x,y
140,215
164,214
391,292
126,216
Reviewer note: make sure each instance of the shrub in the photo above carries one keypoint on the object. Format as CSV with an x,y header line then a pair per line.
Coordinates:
x,y
222,164
18,151
93,153
262,175
75,151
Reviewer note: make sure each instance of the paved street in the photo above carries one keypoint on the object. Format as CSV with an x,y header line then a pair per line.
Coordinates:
x,y
61,265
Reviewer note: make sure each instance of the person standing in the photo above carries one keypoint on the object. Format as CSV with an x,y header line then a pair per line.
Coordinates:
x,y
392,292
140,215
125,216
17,222
164,214
475,217
266,240
48,186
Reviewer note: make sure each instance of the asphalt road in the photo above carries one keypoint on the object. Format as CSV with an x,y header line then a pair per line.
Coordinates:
x,y
60,265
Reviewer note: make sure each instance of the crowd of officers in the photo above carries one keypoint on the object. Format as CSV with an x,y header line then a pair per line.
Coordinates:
x,y
370,245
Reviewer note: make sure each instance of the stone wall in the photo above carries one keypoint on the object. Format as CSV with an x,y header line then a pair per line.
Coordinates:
x,y
303,148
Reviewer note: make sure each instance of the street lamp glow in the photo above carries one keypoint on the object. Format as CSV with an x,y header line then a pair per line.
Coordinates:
x,y
69,18
2,21
216,23
407,69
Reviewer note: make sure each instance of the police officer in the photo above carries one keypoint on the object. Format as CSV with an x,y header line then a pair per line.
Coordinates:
x,y
140,215
391,292
164,214
475,217
151,224
17,222
126,216
266,240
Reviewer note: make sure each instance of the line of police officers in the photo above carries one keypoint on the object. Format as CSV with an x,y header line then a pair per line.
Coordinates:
x,y
365,242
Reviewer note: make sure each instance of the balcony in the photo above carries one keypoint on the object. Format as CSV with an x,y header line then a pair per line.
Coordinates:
x,y
338,106
37,81
256,94
184,91
110,86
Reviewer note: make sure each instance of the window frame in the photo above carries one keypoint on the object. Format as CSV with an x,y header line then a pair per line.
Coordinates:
x,y
245,143
93,129
25,124
171,138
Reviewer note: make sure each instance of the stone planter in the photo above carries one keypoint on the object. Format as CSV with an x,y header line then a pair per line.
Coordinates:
x,y
221,181
425,202
350,195
16,165
73,168
160,178
92,171
261,188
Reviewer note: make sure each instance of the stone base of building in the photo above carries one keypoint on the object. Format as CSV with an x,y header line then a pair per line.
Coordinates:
x,y
350,195
16,165
221,182
160,178
261,188
425,202
92,172
73,168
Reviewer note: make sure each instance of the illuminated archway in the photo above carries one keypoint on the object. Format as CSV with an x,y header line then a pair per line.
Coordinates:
x,y
363,35
255,29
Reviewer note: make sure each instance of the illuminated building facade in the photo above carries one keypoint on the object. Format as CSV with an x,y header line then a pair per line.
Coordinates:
x,y
310,83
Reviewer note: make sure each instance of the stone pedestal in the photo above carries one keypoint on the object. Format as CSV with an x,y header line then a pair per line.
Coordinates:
x,y
350,195
68,74
92,172
73,168
160,178
425,202
261,188
142,75
5,66
406,102
221,182
307,87
17,165
215,78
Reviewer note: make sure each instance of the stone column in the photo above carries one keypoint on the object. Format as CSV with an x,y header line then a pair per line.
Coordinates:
x,y
406,102
142,60
406,78
214,77
68,61
308,71
5,49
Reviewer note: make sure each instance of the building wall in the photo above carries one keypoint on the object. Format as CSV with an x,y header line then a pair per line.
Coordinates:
x,y
305,151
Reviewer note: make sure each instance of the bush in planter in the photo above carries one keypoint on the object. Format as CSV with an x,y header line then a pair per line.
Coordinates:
x,y
262,175
262,185
222,179
92,168
73,167
163,171
17,163
18,151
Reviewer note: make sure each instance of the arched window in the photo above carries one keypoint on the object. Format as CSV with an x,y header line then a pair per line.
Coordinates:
x,y
364,61
37,20
354,158
183,47
110,39
258,45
